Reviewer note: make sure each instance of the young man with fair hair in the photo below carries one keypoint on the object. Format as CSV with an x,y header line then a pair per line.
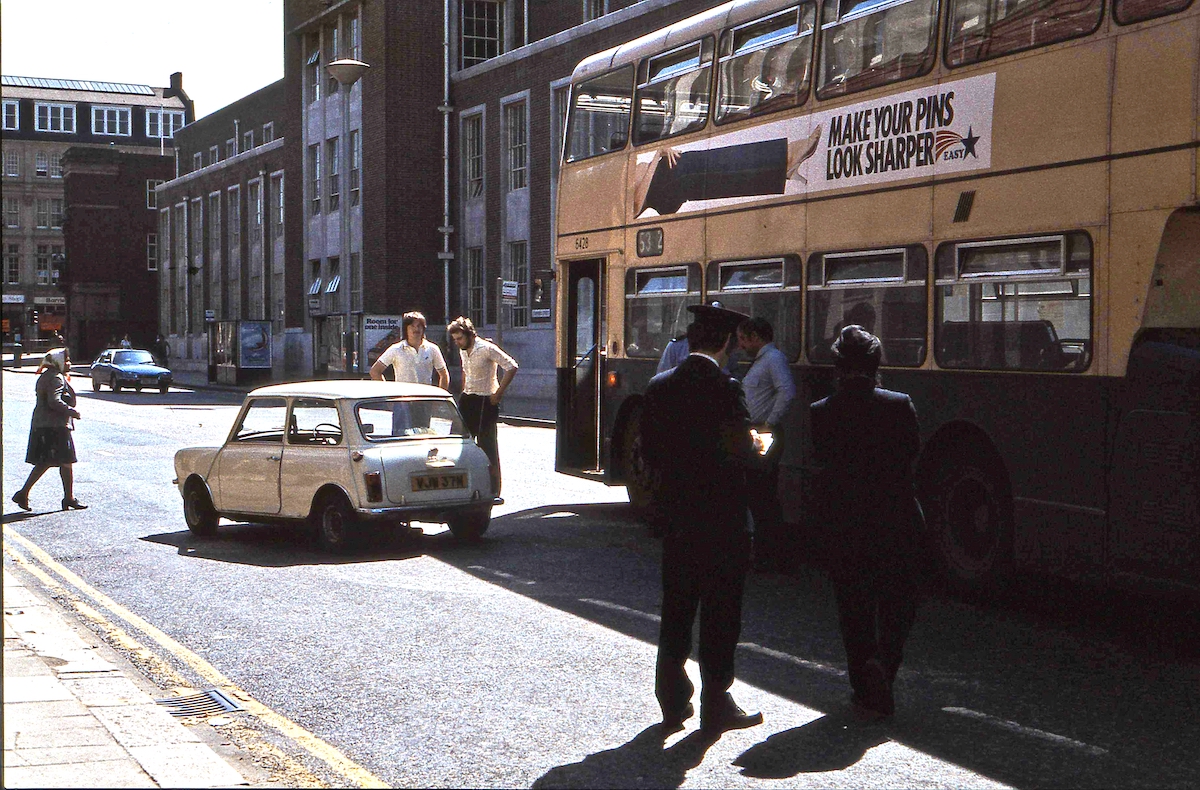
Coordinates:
x,y
414,359
480,399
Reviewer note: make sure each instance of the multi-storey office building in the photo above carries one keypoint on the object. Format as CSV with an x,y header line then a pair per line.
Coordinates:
x,y
112,246
225,284
42,119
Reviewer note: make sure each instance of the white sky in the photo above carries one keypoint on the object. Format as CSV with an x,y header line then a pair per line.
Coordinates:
x,y
225,48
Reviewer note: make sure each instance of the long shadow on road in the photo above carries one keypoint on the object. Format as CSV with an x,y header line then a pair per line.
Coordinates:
x,y
1031,696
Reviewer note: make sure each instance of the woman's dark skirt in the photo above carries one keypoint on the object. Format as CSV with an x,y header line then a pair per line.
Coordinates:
x,y
51,446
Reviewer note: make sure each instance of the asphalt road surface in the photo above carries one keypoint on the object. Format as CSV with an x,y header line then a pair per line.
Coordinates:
x,y
528,659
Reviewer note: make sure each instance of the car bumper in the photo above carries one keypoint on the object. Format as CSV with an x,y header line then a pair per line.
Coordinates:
x,y
425,511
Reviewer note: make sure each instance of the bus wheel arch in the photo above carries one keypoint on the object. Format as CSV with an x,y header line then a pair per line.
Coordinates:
x,y
966,493
626,461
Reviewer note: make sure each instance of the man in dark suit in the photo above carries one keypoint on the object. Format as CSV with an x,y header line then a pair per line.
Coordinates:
x,y
865,440
696,439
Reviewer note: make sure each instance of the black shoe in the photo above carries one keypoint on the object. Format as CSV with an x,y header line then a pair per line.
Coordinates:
x,y
22,500
877,690
673,722
724,714
73,504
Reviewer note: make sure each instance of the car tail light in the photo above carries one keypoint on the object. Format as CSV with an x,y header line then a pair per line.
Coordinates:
x,y
374,484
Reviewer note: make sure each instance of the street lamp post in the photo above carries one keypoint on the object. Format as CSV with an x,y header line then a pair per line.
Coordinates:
x,y
347,71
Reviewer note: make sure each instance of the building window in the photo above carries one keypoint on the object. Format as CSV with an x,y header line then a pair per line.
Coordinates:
x,y
214,224
214,154
268,132
56,165
230,148
355,165
57,211
12,264
56,259
277,206
314,286
314,178
518,269
594,9
42,261
334,286
248,140
12,212
256,206
473,155
54,118
12,116
111,121
355,274
42,207
475,285
312,68
515,126
482,23
197,160
151,195
355,47
12,163
331,38
332,149
41,164
151,252
163,123
234,218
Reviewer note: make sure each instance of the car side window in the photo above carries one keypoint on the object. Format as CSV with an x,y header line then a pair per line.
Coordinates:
x,y
263,421
105,357
314,422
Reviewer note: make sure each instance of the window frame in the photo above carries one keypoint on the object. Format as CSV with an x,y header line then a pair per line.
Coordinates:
x,y
646,64
152,252
101,118
463,36
473,155
851,16
313,403
15,106
160,116
572,106
12,212
951,7
516,147
518,270
12,264
314,164
911,278
692,293
41,164
333,166
1161,13
791,271
65,110
1016,278
355,166
719,59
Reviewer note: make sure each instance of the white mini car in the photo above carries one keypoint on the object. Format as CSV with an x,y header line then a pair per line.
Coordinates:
x,y
342,456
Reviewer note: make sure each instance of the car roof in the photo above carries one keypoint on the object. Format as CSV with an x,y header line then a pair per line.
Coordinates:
x,y
350,388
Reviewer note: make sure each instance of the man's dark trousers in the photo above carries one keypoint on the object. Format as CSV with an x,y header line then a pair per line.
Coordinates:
x,y
875,616
772,546
700,575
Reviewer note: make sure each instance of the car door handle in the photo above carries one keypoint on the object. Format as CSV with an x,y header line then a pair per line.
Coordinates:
x,y
272,457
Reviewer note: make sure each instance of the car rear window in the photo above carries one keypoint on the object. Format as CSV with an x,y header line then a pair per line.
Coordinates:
x,y
390,419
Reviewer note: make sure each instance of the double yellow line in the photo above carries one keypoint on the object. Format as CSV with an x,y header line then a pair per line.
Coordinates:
x,y
318,748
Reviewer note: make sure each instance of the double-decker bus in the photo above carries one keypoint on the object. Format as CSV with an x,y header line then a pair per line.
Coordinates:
x,y
1004,191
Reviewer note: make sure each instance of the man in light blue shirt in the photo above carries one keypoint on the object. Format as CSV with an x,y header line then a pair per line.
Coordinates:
x,y
770,390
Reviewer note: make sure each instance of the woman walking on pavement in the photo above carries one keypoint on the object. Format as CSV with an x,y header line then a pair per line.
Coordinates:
x,y
50,442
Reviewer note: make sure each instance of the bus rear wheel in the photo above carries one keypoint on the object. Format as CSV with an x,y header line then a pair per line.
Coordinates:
x,y
969,517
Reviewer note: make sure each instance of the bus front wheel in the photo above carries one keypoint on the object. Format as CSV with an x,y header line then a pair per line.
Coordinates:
x,y
969,516
638,482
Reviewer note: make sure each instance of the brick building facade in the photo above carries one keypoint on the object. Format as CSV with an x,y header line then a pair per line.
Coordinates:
x,y
226,275
42,119
112,247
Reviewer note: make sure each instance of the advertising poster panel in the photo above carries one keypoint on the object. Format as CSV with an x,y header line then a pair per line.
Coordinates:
x,y
254,344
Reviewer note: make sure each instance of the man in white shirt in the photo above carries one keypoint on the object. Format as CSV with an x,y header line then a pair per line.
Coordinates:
x,y
414,359
480,399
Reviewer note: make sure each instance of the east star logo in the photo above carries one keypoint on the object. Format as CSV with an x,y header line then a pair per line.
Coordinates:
x,y
946,144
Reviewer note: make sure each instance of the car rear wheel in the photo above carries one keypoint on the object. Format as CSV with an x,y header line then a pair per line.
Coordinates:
x,y
336,523
163,388
639,482
470,525
198,510
114,385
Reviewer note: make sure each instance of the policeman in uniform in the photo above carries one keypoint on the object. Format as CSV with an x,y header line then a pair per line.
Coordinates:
x,y
696,438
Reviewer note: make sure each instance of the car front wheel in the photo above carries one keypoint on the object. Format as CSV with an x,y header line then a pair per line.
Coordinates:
x,y
95,384
164,388
114,385
198,511
336,524
470,524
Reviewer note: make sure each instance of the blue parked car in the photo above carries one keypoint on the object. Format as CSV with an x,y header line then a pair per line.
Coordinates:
x,y
129,367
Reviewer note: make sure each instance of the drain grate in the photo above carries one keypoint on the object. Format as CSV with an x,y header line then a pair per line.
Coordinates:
x,y
204,703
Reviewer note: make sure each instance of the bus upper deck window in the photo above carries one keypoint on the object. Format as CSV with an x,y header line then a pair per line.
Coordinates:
x,y
867,43
673,92
982,29
766,65
600,114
